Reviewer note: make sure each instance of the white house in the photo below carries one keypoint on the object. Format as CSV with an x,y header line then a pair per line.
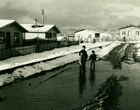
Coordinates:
x,y
105,37
130,33
48,32
87,35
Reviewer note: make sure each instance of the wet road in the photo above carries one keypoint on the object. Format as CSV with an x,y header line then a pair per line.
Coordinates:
x,y
63,88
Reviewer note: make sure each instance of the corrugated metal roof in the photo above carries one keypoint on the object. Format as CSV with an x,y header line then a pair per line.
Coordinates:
x,y
31,28
5,22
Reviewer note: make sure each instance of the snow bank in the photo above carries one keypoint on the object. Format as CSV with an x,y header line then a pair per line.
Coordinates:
x,y
37,57
137,50
27,71
106,50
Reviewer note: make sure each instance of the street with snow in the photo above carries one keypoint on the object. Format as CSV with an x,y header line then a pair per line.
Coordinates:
x,y
51,80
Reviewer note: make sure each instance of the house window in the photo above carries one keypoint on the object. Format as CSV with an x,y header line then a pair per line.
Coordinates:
x,y
2,39
54,36
89,35
47,35
123,33
137,32
23,36
16,38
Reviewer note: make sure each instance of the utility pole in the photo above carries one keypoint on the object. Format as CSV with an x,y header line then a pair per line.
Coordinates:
x,y
43,17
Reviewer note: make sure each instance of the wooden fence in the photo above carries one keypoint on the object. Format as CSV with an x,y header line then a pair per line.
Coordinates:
x,y
20,51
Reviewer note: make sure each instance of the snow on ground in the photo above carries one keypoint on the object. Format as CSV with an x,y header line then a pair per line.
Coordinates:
x,y
37,57
137,52
68,55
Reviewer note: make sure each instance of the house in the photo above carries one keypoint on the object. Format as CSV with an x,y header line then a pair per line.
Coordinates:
x,y
65,37
62,37
11,34
130,33
71,37
87,35
105,37
48,32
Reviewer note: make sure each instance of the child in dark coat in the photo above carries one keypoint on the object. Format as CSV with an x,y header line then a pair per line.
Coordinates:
x,y
82,62
93,59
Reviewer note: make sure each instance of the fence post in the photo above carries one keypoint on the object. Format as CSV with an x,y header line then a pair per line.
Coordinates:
x,y
68,41
38,45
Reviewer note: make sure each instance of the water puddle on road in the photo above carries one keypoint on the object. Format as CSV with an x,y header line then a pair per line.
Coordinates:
x,y
61,89
66,89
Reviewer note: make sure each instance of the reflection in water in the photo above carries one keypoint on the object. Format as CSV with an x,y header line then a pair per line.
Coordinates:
x,y
92,76
82,82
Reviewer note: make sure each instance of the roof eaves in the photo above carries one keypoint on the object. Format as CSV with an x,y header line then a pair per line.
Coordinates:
x,y
21,26
54,26
8,24
80,30
128,27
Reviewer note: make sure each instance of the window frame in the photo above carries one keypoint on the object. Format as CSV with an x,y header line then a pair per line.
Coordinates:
x,y
123,32
16,37
2,41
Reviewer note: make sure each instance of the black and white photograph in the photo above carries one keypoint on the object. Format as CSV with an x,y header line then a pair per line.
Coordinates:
x,y
69,55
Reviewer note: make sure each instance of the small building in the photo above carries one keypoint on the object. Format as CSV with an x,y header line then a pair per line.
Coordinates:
x,y
71,37
87,35
130,33
105,37
48,32
62,37
11,34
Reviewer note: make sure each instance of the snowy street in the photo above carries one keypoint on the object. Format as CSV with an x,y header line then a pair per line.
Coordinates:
x,y
63,56
65,89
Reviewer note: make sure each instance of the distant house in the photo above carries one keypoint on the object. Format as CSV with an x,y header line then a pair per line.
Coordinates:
x,y
105,37
62,37
65,37
71,37
48,32
11,34
87,35
130,33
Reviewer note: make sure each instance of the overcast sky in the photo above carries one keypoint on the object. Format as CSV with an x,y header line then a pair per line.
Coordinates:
x,y
97,15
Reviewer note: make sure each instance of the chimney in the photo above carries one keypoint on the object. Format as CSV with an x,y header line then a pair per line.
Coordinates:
x,y
35,22
43,17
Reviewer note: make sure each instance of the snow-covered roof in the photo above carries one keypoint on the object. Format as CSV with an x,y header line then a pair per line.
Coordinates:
x,y
62,38
105,34
39,28
5,22
129,26
87,30
93,31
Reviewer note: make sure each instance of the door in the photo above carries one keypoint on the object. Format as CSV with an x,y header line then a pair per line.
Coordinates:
x,y
8,40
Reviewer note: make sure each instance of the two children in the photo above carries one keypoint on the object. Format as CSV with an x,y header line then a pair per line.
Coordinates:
x,y
82,60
